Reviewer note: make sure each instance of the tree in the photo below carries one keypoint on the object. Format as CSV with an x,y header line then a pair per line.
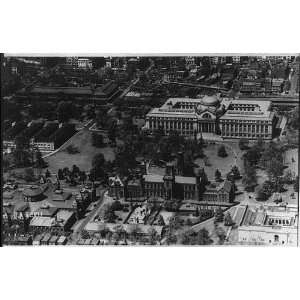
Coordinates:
x,y
252,155
75,170
219,215
244,144
171,238
134,232
82,176
39,161
120,233
221,235
47,174
64,111
222,151
109,215
296,184
60,174
289,177
71,149
22,154
187,237
275,170
249,179
261,195
218,176
203,237
98,162
153,236
174,223
97,140
29,175
228,219
236,173
160,221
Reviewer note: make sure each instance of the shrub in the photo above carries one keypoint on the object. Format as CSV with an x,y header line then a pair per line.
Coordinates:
x,y
222,151
71,149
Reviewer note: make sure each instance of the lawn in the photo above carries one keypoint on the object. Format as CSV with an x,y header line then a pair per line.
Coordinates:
x,y
224,164
83,142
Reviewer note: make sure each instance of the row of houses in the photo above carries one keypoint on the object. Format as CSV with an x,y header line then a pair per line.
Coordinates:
x,y
88,94
267,85
46,136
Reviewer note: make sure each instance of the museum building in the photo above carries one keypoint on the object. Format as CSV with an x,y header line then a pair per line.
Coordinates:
x,y
229,118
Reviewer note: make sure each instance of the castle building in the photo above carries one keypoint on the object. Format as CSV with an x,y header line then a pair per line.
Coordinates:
x,y
229,118
170,187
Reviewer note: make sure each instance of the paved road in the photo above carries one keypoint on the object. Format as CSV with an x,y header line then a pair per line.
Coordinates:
x,y
135,81
76,234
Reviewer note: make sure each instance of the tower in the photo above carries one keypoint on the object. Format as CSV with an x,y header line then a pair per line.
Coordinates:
x,y
169,181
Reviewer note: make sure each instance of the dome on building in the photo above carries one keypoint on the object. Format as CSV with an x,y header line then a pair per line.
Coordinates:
x,y
210,101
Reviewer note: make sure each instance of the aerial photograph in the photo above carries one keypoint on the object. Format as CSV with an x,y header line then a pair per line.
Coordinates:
x,y
150,150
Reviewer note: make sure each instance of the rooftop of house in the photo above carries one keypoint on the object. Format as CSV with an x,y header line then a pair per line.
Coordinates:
x,y
60,219
35,190
226,185
115,181
144,229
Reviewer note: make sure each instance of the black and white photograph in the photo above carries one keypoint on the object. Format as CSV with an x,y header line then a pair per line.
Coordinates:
x,y
150,150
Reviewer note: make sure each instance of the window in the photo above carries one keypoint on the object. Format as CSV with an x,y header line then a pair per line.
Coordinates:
x,y
276,238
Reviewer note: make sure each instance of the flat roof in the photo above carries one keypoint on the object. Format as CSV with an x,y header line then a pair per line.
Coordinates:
x,y
153,178
185,180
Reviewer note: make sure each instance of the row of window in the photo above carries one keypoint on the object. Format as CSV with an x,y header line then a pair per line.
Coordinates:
x,y
232,122
241,128
230,134
171,125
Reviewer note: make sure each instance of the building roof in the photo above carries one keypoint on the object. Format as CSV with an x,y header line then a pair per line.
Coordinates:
x,y
60,196
153,178
217,186
96,227
33,191
61,239
262,110
115,181
47,211
21,207
42,221
46,237
210,100
53,239
185,180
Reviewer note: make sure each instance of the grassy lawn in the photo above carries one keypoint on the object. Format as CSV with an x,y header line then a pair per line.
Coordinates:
x,y
83,141
224,164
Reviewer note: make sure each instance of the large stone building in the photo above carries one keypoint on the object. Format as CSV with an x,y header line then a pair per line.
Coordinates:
x,y
210,114
186,116
171,187
248,119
